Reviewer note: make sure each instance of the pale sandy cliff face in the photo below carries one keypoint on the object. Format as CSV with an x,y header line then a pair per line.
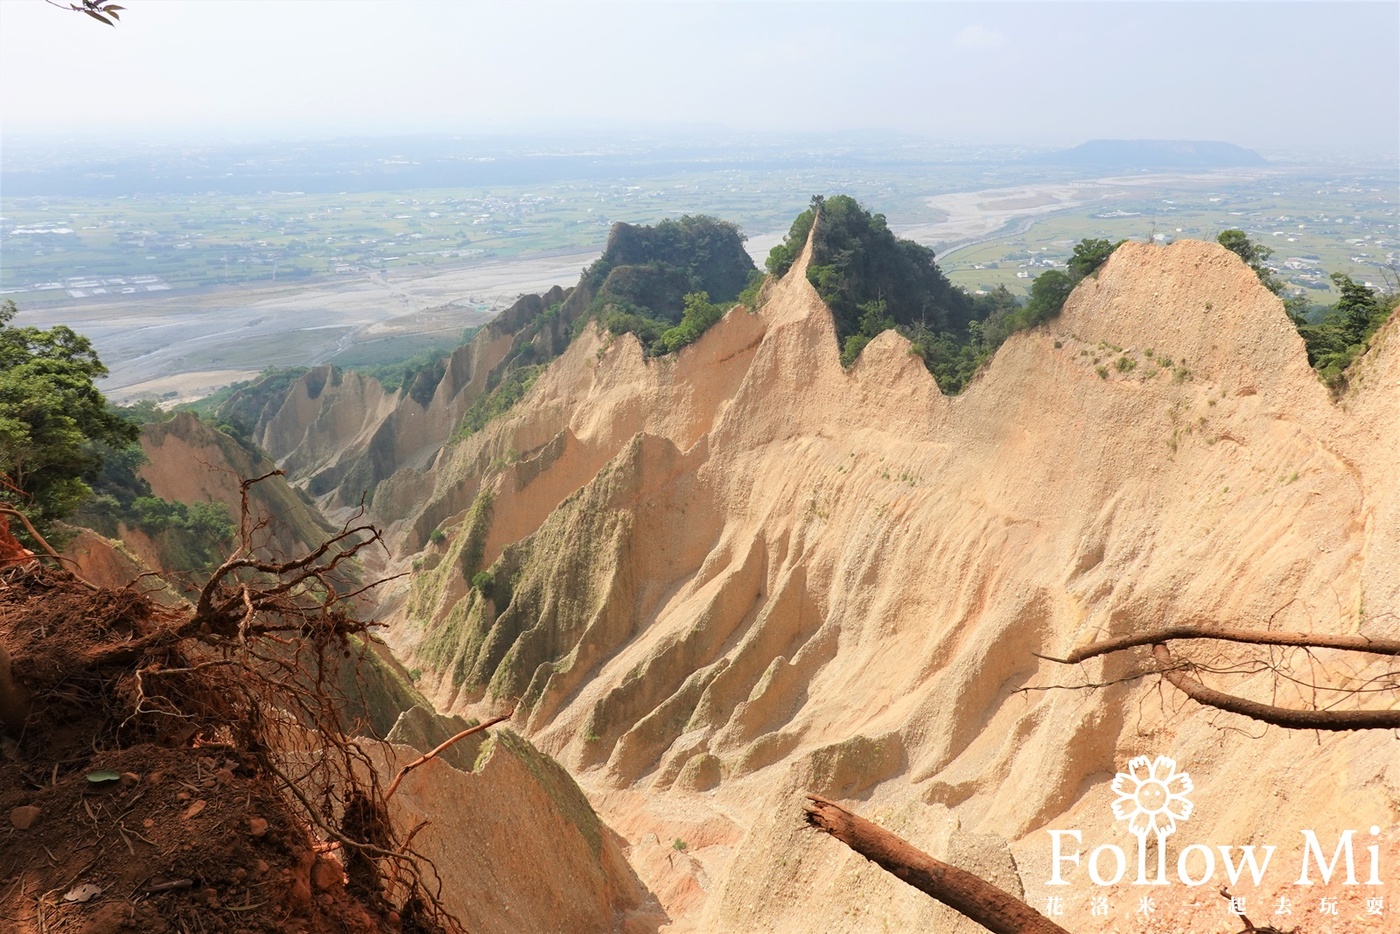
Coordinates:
x,y
189,462
729,577
516,844
343,435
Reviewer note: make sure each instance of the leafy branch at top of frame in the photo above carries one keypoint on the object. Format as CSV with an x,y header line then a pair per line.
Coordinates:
x,y
102,12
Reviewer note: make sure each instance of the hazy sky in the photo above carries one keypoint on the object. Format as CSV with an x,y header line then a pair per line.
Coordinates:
x,y
1258,74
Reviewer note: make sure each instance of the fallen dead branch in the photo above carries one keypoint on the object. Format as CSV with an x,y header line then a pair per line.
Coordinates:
x,y
1335,720
13,553
969,895
1183,674
437,751
1247,636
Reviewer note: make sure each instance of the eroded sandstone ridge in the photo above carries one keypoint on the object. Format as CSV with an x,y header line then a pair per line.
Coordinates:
x,y
717,580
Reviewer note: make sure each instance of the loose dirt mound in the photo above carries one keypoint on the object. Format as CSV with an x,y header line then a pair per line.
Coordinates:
x,y
130,796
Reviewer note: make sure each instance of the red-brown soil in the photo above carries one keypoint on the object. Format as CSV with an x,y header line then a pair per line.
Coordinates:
x,y
193,835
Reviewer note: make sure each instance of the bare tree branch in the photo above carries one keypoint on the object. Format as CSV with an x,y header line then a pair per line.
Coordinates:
x,y
394,785
1248,636
1336,720
42,543
969,895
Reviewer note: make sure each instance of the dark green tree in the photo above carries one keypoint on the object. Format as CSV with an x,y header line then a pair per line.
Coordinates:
x,y
874,321
857,260
1254,256
642,283
991,312
782,256
1339,338
1049,292
696,319
53,419
874,281
1359,312
1089,255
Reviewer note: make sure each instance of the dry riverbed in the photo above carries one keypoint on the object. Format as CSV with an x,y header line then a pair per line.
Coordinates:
x,y
194,342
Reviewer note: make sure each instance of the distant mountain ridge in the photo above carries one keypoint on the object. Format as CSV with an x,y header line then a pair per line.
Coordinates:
x,y
1155,153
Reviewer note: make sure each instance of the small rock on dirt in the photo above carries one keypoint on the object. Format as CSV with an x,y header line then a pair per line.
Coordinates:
x,y
24,816
326,873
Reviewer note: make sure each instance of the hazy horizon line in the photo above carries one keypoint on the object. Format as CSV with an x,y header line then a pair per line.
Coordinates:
x,y
618,133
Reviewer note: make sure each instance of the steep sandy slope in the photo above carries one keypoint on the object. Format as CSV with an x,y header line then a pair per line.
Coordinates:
x,y
111,564
189,462
725,578
518,846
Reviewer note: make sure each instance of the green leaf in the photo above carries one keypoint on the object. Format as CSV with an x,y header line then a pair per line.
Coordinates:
x,y
104,775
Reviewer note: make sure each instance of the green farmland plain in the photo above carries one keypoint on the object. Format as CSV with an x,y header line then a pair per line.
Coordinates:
x,y
1321,223
1315,226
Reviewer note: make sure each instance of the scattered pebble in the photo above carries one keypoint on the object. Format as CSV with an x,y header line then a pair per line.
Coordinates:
x,y
326,873
257,826
194,809
23,817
